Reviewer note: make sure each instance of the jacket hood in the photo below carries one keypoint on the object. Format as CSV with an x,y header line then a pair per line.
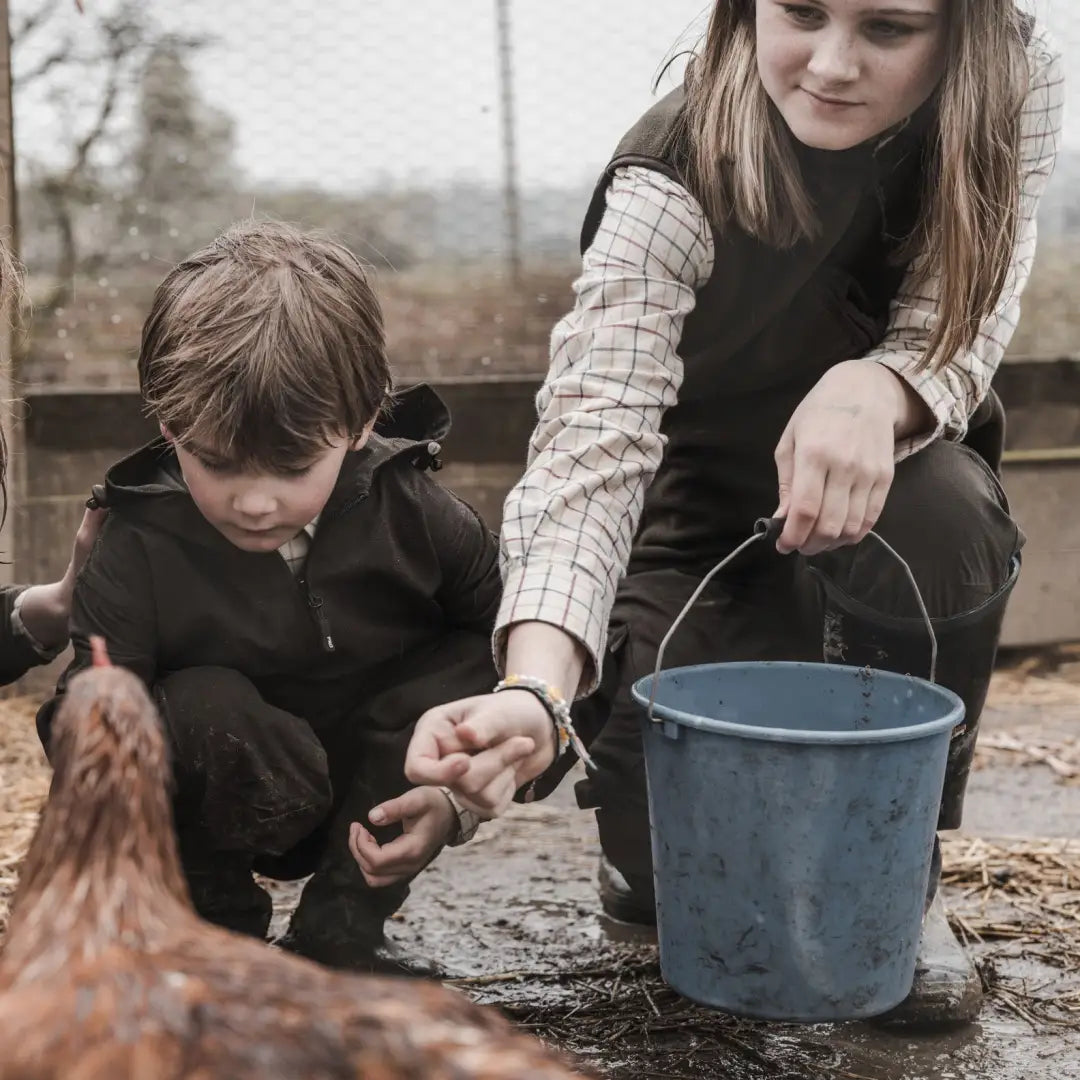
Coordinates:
x,y
148,482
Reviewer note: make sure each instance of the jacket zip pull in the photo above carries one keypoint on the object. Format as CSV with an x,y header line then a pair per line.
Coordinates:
x,y
316,605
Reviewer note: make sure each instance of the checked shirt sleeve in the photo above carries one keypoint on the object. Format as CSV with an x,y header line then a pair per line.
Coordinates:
x,y
569,522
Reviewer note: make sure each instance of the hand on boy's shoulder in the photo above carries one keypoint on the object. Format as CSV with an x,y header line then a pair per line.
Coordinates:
x,y
107,543
93,521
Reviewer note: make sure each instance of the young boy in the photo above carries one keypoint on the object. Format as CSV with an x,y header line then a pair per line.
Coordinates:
x,y
292,584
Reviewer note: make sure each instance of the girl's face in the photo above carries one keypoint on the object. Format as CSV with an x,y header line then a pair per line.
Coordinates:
x,y
844,71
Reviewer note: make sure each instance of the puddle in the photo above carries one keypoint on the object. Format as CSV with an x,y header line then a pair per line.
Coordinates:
x,y
513,918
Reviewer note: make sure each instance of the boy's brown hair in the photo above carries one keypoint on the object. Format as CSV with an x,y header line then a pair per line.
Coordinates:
x,y
264,346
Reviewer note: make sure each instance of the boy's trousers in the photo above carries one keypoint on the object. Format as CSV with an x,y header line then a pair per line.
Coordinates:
x,y
274,785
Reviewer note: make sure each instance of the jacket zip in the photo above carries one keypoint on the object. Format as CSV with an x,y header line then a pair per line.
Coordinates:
x,y
314,601
315,606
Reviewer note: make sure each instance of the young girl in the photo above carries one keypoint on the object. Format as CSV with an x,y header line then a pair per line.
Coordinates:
x,y
34,619
801,270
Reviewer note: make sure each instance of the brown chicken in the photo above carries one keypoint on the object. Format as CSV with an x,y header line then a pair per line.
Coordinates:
x,y
108,974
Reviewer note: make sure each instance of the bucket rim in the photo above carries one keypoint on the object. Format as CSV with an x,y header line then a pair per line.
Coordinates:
x,y
641,688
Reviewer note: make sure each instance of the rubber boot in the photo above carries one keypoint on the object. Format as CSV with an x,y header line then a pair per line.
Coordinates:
x,y
344,928
967,648
947,989
223,891
620,902
340,919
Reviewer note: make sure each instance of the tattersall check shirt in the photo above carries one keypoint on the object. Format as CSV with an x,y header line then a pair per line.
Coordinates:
x,y
569,522
295,551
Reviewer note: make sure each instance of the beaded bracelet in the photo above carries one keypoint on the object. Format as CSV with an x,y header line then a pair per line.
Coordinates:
x,y
557,709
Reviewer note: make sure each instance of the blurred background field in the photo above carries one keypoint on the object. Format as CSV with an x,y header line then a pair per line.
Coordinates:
x,y
452,146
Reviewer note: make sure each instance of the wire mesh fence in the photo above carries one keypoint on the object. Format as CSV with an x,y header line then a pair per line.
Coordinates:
x,y
454,146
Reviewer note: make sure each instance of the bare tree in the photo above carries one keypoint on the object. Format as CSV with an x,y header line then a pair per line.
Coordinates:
x,y
86,79
182,154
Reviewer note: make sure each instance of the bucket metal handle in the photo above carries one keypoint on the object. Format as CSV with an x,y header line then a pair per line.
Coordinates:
x,y
770,529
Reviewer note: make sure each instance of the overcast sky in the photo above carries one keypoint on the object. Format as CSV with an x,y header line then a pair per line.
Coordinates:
x,y
351,93
358,87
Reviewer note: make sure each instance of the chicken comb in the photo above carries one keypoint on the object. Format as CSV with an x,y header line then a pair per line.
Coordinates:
x,y
98,652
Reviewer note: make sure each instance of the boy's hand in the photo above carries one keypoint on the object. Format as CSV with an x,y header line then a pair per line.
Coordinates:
x,y
428,820
482,748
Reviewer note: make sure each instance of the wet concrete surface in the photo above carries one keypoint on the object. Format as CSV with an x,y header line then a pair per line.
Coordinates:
x,y
514,920
1006,800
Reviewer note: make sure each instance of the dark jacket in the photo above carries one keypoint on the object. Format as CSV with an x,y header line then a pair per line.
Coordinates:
x,y
397,563
17,655
766,325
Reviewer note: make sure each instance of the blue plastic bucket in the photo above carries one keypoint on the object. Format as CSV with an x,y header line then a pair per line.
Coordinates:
x,y
793,811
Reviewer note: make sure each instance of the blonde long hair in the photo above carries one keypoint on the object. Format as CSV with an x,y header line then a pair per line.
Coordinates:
x,y
743,169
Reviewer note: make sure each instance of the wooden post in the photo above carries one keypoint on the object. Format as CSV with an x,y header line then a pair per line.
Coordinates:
x,y
11,428
511,196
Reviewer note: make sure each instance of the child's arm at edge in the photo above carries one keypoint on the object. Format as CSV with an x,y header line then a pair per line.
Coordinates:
x,y
113,598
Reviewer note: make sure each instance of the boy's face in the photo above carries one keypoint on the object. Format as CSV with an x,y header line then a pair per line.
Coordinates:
x,y
260,511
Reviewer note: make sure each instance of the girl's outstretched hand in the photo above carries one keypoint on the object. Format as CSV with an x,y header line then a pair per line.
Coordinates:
x,y
834,462
482,748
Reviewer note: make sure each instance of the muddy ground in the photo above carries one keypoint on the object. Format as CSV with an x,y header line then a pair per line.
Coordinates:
x,y
513,919
514,916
